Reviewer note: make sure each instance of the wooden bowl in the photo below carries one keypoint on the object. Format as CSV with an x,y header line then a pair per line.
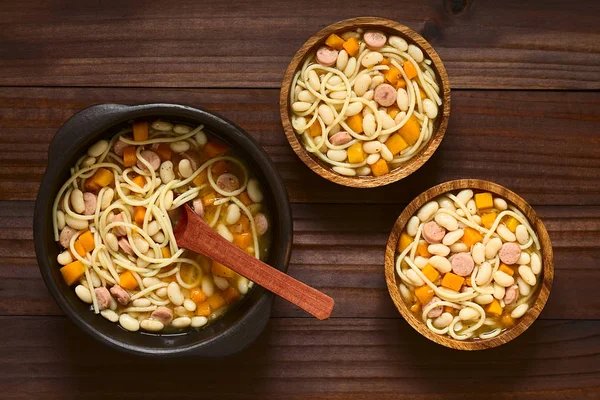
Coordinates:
x,y
311,46
543,290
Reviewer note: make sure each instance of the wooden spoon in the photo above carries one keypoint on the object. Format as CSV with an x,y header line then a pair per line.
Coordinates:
x,y
192,233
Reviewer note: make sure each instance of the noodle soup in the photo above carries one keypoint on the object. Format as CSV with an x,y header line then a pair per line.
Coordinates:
x,y
365,103
114,219
469,265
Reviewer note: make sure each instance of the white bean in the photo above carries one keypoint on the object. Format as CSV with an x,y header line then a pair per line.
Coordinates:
x,y
519,311
181,129
500,204
371,59
536,263
522,234
468,314
421,262
524,288
161,292
499,291
387,122
415,53
484,274
342,60
233,214
441,264
166,172
472,207
398,43
443,320
363,171
98,148
452,237
254,191
306,96
427,211
484,299
369,96
503,279
344,171
60,220
201,138
438,249
88,161
505,233
460,212
112,242
524,259
189,305
77,201
361,85
373,158
140,243
478,253
492,248
151,325
447,221
243,285
383,138
107,198
464,196
198,322
181,322
96,282
174,293
143,302
301,106
326,114
110,315
372,147
477,219
406,293
77,224
446,203
129,323
430,108
369,125
151,281
337,155
220,282
350,67
354,108
527,275
169,199
180,146
208,287
412,226
153,228
225,232
162,126
459,247
84,294
376,81
313,80
402,99
414,278
185,168
64,258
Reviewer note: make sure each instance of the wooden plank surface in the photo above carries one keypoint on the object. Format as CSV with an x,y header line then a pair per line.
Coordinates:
x,y
340,359
488,44
338,249
543,145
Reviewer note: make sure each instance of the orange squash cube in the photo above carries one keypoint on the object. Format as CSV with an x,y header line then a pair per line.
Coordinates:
x,y
484,200
452,281
356,154
355,123
335,41
396,143
380,168
72,272
430,272
488,219
405,241
219,269
471,236
410,131
494,308
424,294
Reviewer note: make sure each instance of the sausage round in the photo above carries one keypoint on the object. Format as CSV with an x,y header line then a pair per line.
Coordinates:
x,y
375,39
340,138
65,236
435,311
385,95
510,253
119,230
462,264
125,246
151,157
511,294
103,297
120,294
327,56
198,207
433,233
90,200
119,147
262,224
163,314
228,182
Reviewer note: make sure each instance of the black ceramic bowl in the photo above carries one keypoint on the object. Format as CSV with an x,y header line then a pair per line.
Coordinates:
x,y
240,325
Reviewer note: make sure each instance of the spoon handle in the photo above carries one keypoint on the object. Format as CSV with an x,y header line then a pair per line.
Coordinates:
x,y
197,236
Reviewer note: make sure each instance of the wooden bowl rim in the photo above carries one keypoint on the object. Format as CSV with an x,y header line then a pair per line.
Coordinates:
x,y
546,252
414,163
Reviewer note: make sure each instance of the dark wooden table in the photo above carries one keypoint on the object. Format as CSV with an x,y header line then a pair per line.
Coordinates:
x,y
525,113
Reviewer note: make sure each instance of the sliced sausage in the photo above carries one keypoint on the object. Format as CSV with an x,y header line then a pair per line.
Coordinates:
x,y
433,233
375,39
120,295
119,230
119,147
90,200
510,253
151,157
462,264
162,314
125,246
385,95
103,297
228,182
198,207
65,236
262,224
435,311
192,158
511,294
340,138
327,56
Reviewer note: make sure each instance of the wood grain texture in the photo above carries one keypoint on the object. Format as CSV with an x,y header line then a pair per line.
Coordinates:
x,y
194,234
341,256
484,44
543,145
338,358
546,276
311,46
